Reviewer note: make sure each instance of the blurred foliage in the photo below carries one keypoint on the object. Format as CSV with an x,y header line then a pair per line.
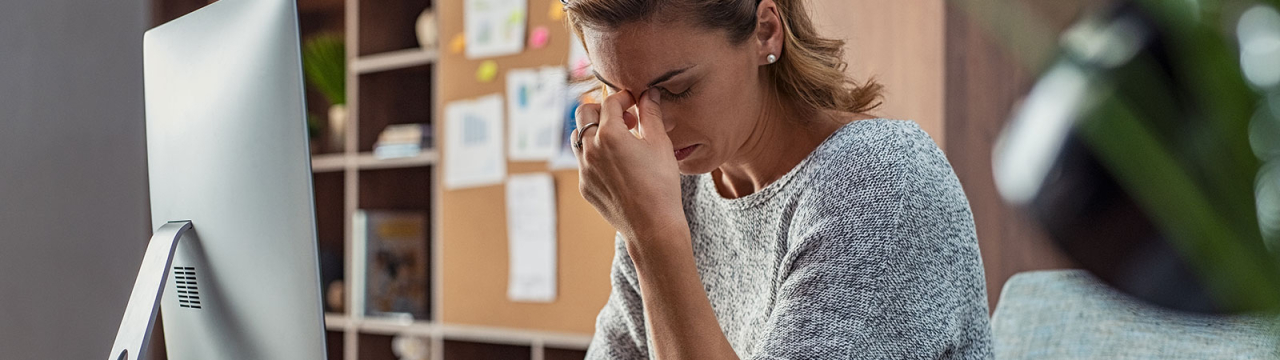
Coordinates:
x,y
1171,123
1175,135
324,60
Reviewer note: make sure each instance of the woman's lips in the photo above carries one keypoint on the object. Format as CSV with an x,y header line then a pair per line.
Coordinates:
x,y
684,152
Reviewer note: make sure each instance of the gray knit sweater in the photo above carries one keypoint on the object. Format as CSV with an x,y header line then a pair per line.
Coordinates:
x,y
865,250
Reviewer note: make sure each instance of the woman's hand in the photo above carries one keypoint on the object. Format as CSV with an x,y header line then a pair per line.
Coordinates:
x,y
627,168
628,172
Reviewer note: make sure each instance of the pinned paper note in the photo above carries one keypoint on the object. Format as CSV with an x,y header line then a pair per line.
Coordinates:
x,y
538,37
564,157
535,107
473,143
531,236
494,27
556,12
458,44
487,71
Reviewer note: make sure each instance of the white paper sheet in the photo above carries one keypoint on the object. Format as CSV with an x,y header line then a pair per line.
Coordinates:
x,y
531,234
575,95
535,111
494,27
473,143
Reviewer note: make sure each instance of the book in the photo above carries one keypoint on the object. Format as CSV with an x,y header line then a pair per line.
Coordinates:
x,y
402,140
391,246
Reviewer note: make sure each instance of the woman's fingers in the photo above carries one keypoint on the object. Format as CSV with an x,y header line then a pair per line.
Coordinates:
x,y
650,108
616,115
586,114
612,109
573,142
630,118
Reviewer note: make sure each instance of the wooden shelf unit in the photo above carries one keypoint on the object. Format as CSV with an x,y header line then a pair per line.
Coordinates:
x,y
390,80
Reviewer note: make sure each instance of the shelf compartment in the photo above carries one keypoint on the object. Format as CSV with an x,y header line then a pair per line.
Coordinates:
x,y
316,17
402,190
310,6
406,189
401,96
389,25
330,195
333,345
375,347
563,354
466,350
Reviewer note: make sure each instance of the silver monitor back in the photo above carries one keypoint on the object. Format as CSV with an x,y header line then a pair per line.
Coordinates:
x,y
227,149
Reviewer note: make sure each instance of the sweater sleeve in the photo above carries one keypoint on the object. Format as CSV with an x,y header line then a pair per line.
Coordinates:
x,y
620,327
884,265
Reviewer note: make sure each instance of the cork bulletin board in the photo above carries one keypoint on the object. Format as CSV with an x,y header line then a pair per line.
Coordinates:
x,y
473,225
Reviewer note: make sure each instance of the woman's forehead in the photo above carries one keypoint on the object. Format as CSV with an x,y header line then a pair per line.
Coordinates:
x,y
633,54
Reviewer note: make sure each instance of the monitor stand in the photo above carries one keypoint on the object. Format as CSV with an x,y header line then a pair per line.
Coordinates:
x,y
144,301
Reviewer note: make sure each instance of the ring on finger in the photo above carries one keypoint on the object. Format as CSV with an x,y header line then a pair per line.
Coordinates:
x,y
577,144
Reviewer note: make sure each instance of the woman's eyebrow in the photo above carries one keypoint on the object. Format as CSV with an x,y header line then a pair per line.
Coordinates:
x,y
667,76
658,80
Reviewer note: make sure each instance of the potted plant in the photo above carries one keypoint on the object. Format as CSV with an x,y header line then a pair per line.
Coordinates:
x,y
324,62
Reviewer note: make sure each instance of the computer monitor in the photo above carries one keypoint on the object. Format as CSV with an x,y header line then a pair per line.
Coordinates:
x,y
230,181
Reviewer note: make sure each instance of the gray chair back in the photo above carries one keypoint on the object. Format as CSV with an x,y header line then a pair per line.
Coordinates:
x,y
1069,314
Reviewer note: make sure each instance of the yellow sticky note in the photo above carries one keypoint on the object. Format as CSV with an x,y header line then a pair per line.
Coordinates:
x,y
557,11
458,44
487,71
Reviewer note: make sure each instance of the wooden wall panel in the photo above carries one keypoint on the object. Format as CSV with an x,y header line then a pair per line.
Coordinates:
x,y
951,76
900,44
474,223
984,79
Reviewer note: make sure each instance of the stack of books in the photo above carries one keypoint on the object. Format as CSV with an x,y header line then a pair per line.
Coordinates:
x,y
402,140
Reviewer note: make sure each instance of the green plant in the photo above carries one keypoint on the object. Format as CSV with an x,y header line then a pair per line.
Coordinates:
x,y
1168,118
324,61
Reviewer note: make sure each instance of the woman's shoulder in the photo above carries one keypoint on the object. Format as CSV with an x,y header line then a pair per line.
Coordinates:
x,y
872,164
873,147
878,181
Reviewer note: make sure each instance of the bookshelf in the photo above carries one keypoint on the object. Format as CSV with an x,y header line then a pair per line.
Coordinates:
x,y
391,80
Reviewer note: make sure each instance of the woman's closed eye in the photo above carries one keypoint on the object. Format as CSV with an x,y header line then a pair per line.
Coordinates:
x,y
667,94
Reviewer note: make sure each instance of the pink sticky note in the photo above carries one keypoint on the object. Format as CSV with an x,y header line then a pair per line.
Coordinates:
x,y
539,37
582,68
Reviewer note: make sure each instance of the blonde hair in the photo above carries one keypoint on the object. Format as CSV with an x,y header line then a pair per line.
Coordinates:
x,y
810,70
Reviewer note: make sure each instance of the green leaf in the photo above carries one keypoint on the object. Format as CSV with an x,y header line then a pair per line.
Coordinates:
x,y
324,60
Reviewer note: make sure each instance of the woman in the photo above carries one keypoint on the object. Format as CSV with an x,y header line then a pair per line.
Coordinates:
x,y
760,213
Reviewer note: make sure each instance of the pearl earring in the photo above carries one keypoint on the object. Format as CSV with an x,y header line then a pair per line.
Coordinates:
x,y
771,58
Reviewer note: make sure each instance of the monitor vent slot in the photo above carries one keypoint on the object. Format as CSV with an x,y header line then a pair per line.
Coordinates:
x,y
184,280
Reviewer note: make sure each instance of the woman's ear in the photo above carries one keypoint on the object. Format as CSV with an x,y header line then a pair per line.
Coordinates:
x,y
769,32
